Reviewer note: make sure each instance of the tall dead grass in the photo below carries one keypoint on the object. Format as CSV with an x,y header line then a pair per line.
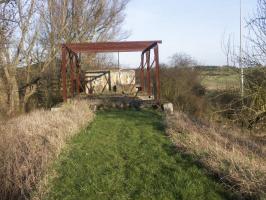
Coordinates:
x,y
29,143
237,157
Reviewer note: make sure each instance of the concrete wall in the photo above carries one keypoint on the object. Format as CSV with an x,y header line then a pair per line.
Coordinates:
x,y
122,80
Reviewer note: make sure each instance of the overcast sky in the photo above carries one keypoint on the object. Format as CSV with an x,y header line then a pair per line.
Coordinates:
x,y
195,27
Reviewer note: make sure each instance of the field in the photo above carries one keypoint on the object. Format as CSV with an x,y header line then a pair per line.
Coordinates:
x,y
126,155
220,78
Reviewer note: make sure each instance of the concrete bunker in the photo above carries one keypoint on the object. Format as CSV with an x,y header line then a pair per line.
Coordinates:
x,y
117,81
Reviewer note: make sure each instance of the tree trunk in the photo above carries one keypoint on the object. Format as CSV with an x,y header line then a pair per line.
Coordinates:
x,y
3,97
14,105
30,90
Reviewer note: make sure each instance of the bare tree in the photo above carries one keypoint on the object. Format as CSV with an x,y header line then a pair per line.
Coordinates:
x,y
31,31
256,54
234,57
182,60
79,21
17,18
226,46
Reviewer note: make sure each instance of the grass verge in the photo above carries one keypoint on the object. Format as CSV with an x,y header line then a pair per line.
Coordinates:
x,y
235,156
29,143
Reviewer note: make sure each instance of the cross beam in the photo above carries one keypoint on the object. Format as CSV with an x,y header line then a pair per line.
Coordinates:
x,y
103,47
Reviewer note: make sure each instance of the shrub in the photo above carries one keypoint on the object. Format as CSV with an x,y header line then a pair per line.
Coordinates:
x,y
255,89
182,87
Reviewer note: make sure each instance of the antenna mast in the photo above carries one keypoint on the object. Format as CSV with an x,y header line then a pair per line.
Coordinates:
x,y
240,53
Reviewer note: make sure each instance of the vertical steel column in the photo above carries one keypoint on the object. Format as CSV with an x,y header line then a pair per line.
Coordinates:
x,y
157,72
109,80
63,73
78,76
142,73
72,75
148,72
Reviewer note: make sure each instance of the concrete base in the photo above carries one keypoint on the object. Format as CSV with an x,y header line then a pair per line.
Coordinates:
x,y
119,102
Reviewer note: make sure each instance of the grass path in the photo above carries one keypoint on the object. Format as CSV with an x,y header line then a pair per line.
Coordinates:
x,y
125,155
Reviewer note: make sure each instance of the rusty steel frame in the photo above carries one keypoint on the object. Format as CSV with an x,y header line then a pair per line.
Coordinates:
x,y
148,54
73,49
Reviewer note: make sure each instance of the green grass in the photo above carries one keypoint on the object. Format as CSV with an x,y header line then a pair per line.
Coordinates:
x,y
126,155
220,78
221,82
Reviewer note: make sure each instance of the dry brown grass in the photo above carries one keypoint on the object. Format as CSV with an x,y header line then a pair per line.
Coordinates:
x,y
29,143
237,157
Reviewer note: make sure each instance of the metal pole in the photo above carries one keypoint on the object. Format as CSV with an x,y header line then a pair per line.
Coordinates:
x,y
142,73
119,74
63,74
109,81
118,59
240,53
72,75
157,72
78,76
148,72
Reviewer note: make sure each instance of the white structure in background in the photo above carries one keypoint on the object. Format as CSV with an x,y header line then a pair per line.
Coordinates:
x,y
110,80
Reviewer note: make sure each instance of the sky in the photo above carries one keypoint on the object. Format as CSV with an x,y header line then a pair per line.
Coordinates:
x,y
195,27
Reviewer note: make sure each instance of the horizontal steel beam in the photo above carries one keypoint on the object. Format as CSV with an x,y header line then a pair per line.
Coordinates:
x,y
111,46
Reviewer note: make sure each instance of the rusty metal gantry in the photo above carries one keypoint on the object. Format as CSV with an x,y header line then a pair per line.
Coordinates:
x,y
70,53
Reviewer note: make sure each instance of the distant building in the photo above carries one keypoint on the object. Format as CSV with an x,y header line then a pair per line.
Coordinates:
x,y
110,80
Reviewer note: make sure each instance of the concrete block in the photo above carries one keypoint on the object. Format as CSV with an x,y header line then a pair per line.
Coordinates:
x,y
56,109
168,108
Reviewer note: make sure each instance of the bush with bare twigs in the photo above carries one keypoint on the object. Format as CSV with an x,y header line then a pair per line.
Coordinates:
x,y
29,143
182,87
